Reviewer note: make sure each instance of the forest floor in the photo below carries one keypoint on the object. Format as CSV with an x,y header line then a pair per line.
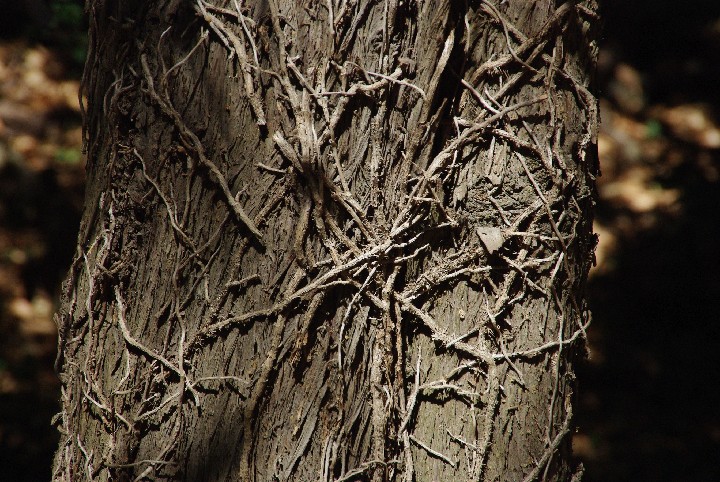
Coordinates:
x,y
647,407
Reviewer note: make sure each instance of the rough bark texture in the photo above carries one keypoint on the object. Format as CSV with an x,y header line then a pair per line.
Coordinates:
x,y
330,240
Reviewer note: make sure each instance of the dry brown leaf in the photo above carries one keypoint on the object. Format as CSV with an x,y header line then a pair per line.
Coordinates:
x,y
491,237
636,191
693,123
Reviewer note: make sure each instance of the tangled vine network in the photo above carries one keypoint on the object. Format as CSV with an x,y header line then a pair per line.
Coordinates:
x,y
412,180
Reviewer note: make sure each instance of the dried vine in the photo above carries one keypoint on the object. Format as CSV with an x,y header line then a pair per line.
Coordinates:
x,y
390,225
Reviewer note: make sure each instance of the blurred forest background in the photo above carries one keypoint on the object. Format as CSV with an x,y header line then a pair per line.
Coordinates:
x,y
649,409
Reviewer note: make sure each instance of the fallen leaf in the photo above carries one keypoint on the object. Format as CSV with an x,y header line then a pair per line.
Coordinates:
x,y
491,237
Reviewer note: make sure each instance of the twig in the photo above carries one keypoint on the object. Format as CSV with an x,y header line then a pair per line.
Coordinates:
x,y
495,65
192,142
409,411
274,170
398,81
258,393
433,453
239,50
130,340
441,335
547,206
356,473
554,445
172,213
533,352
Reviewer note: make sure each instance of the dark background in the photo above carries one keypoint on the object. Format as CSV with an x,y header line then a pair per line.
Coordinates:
x,y
648,404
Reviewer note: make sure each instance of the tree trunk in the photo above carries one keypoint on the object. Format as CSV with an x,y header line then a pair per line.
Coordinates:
x,y
331,240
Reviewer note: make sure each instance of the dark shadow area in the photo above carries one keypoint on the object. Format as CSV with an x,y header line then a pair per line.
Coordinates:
x,y
675,45
35,201
27,441
42,48
43,218
56,24
650,403
649,406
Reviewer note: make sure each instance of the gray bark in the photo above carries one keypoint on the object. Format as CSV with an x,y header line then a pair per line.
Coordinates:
x,y
337,240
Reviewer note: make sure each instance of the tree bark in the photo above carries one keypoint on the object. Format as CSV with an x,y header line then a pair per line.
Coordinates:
x,y
333,240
